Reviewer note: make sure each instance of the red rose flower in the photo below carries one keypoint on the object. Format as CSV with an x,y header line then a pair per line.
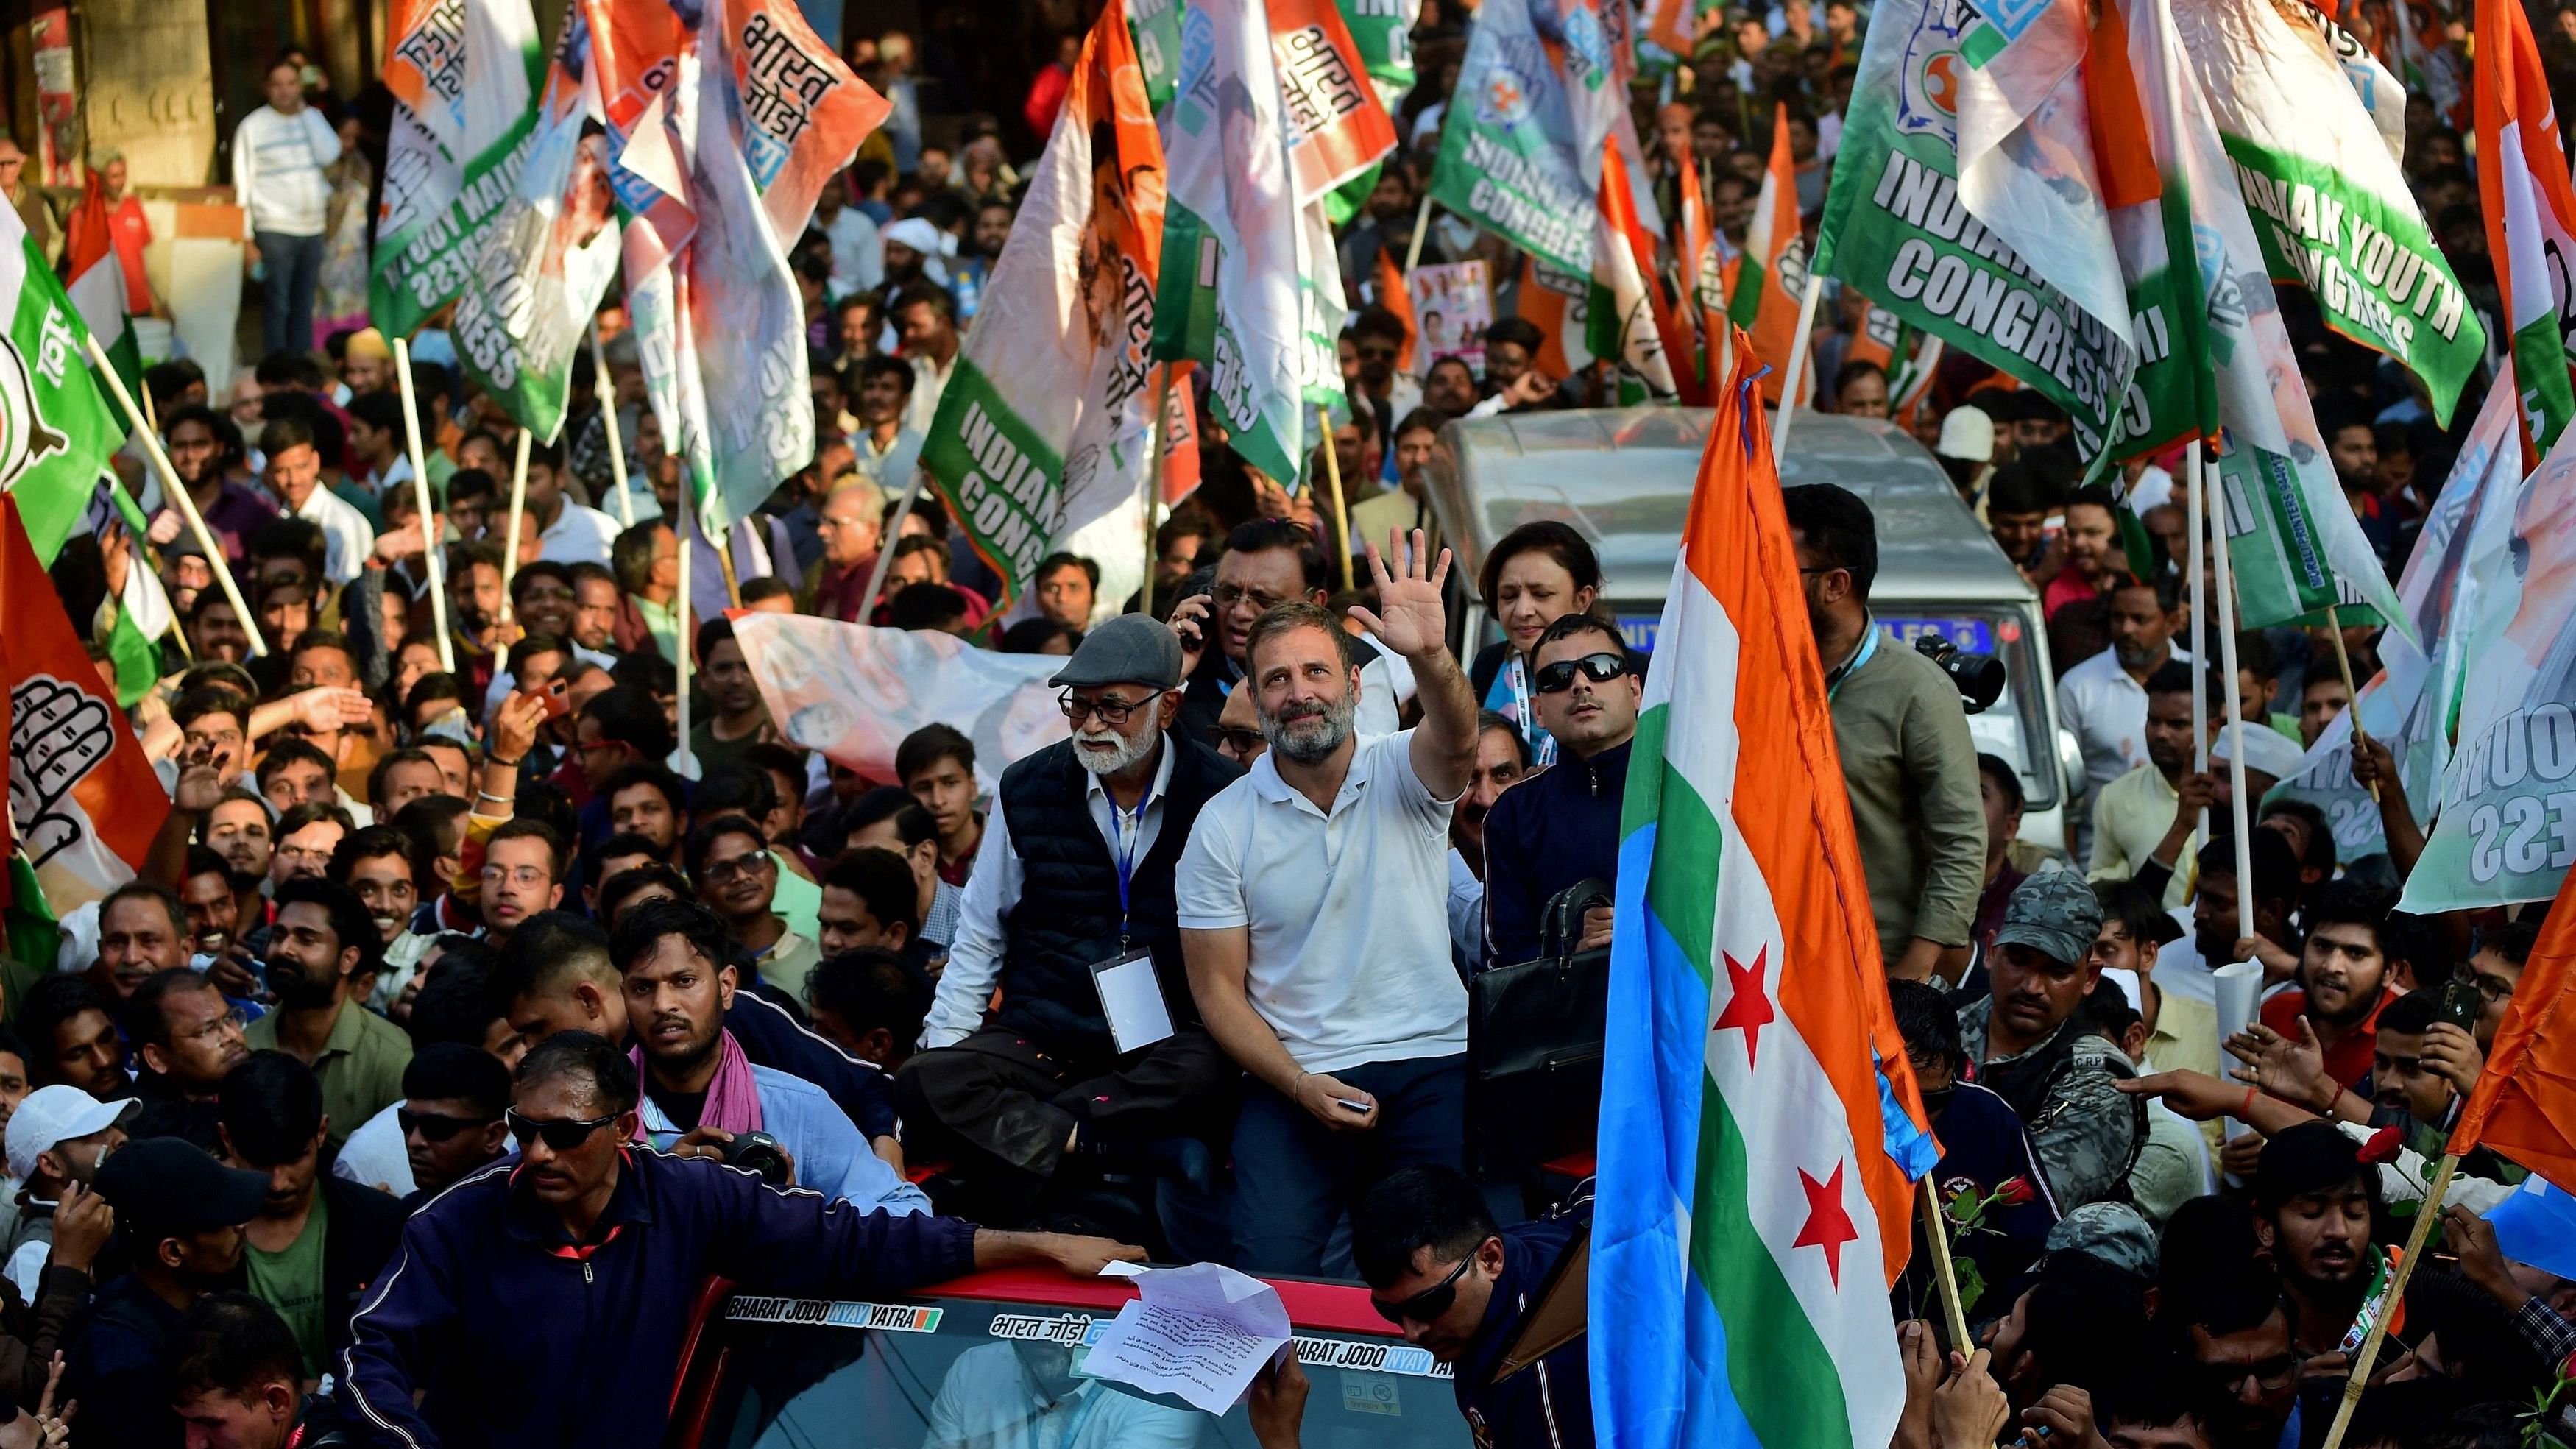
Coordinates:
x,y
2567,1370
2015,1192
2382,1146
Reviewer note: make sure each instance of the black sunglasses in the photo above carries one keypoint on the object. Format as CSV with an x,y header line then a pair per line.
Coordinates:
x,y
1241,741
433,1126
1557,678
563,1134
1428,1304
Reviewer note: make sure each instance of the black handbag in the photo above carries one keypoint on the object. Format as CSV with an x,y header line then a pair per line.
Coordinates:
x,y
1534,1034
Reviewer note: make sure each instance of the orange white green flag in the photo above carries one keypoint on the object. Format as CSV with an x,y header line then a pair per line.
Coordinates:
x,y
1336,126
1760,1129
2531,216
1626,321
1772,274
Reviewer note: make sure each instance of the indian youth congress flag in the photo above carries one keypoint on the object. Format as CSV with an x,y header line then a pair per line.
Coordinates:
x,y
57,429
2507,827
1231,298
1045,424
2333,210
2029,284
463,75
1759,1129
1507,144
2530,214
548,255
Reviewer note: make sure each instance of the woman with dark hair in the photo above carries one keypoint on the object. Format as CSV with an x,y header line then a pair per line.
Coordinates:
x,y
1536,574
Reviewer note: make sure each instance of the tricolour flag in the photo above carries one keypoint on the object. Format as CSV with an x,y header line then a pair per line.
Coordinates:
x,y
1703,273
547,256
1046,423
463,74
97,284
2017,269
1760,1132
1232,296
1337,127
2171,397
1507,143
57,428
1771,276
2531,217
854,692
2293,543
1626,321
2333,211
2524,1105
83,803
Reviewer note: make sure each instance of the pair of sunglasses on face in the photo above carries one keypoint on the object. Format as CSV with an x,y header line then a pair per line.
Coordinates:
x,y
563,1134
1557,678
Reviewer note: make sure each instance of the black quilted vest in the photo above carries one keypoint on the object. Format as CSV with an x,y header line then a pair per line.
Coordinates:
x,y
1066,920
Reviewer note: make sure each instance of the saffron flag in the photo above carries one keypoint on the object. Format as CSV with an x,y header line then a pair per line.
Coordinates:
x,y
464,75
83,802
1395,297
1760,1131
1627,321
1963,199
1235,296
2531,217
1337,128
1047,421
548,256
1771,278
2525,1102
854,692
2333,210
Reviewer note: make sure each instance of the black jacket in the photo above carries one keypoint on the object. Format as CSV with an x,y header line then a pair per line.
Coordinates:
x,y
1067,918
1545,834
1548,1405
365,1229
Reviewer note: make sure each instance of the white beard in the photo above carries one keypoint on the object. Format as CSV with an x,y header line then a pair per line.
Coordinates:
x,y
1128,751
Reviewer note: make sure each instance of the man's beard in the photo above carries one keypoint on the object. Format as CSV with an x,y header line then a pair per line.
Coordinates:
x,y
1127,753
2135,656
678,1061
1308,747
295,989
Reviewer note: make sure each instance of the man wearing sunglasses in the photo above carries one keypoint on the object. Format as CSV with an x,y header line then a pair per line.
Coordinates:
x,y
1075,882
1563,826
453,1098
547,1302
1441,1271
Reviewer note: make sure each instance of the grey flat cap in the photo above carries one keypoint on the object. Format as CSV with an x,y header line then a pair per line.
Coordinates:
x,y
1130,649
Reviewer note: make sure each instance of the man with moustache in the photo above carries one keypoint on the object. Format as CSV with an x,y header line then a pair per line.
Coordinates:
x,y
2313,1201
323,939
1077,872
1563,827
1502,759
2343,979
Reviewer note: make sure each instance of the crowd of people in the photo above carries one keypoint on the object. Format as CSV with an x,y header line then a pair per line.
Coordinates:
x,y
452,1036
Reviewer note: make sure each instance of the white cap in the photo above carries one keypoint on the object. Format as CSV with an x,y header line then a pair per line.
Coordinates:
x,y
1968,435
55,1114
2266,749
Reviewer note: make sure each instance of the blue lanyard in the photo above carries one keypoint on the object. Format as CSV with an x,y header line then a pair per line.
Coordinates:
x,y
1123,853
1868,647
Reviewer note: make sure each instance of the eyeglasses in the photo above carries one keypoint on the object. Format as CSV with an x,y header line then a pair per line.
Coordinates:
x,y
1557,678
231,1023
1228,737
2270,1373
2491,989
719,872
435,1127
562,1134
1229,595
1428,1304
1111,711
526,877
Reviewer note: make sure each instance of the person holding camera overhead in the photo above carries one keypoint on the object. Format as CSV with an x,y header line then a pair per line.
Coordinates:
x,y
1908,764
1562,826
703,1097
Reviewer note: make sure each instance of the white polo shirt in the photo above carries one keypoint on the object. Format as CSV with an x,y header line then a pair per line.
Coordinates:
x,y
1349,938
579,535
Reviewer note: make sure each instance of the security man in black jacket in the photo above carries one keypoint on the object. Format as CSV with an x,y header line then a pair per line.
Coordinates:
x,y
1070,913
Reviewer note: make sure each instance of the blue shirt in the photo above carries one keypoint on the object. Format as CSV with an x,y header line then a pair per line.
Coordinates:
x,y
831,1157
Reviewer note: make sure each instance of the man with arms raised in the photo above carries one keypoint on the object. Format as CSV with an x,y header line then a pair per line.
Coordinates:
x,y
1310,912
550,1303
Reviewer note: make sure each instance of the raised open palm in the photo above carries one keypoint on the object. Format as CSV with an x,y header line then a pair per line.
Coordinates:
x,y
1410,618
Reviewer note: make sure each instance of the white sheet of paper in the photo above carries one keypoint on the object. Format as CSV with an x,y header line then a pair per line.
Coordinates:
x,y
1198,1333
2240,996
1131,996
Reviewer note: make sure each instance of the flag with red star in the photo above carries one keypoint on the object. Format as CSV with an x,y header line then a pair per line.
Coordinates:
x,y
1760,1130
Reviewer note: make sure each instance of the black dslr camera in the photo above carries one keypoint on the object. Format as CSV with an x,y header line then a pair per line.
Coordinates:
x,y
1978,677
758,1152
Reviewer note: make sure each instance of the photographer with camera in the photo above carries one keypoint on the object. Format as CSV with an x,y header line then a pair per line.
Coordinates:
x,y
703,1097
1908,764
